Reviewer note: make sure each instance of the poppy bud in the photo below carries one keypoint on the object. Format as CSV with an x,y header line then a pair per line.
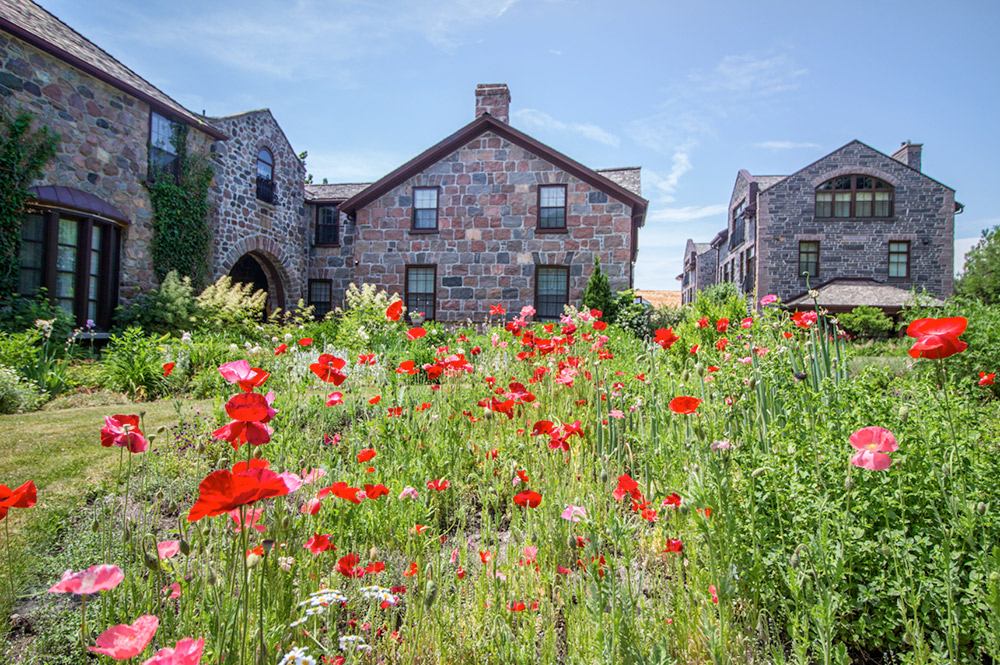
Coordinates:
x,y
685,509
373,553
150,561
253,561
793,561
223,463
886,550
285,522
685,376
430,594
210,577
904,413
172,508
604,476
161,429
699,369
849,483
981,508
268,545
753,383
201,446
206,531
908,638
258,452
127,534
151,438
95,526
571,542
758,472
185,547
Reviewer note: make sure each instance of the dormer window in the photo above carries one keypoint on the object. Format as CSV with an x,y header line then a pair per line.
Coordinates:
x,y
265,176
857,196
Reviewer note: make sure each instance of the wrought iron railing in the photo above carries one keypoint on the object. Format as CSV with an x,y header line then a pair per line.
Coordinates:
x,y
266,190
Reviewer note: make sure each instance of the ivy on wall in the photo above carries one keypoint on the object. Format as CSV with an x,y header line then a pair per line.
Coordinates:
x,y
180,214
24,151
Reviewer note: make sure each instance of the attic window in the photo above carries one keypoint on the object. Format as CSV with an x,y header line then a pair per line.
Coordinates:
x,y
552,207
854,196
265,176
425,209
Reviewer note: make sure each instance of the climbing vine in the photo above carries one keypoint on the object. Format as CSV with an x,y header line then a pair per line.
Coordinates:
x,y
24,151
180,213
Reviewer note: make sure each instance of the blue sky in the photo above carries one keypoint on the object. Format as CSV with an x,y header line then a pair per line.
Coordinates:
x,y
690,91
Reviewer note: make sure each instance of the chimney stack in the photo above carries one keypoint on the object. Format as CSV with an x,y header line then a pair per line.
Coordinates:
x,y
909,154
493,98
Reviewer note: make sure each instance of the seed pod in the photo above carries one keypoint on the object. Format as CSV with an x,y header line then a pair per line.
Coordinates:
x,y
849,483
757,473
185,547
268,545
258,452
904,413
604,476
161,429
151,438
981,508
142,414
430,594
571,542
210,577
150,561
908,638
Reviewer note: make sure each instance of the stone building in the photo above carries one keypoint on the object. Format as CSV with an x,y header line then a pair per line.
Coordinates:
x,y
859,226
487,214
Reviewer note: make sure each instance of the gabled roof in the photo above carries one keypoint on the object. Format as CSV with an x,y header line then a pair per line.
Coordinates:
x,y
767,181
233,117
29,22
628,177
844,293
487,123
331,193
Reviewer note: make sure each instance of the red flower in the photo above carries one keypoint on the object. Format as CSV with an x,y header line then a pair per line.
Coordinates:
x,y
223,490
412,571
346,566
523,475
665,337
674,545
238,432
375,491
124,431
334,399
187,651
366,359
528,499
600,325
375,400
695,349
415,333
366,455
280,349
393,311
438,485
747,322
22,497
703,322
804,319
721,344
127,641
407,367
327,367
305,341
319,543
722,325
986,379
248,408
542,427
497,310
168,368
684,404
715,595
626,486
485,556
937,338
673,499
342,490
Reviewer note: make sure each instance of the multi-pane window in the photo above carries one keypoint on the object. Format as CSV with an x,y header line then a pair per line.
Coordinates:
x,y
552,207
75,259
327,225
551,291
809,258
750,269
162,153
425,209
854,196
420,291
320,296
899,258
265,176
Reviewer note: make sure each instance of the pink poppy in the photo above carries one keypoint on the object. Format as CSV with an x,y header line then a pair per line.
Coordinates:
x,y
123,431
574,513
311,507
408,493
873,443
250,517
127,641
335,399
768,299
103,577
312,476
172,590
186,652
168,549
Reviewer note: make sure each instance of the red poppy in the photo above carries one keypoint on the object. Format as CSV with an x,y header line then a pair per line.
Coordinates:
x,y
280,349
248,407
412,571
804,319
407,367
375,400
438,485
346,566
334,399
123,431
342,490
626,486
305,341
599,325
375,491
937,338
393,311
674,545
722,325
223,490
366,455
747,322
523,475
665,337
528,499
22,497
238,432
415,333
168,368
497,310
703,322
695,348
327,367
319,543
684,404
366,359
721,344
986,379
673,499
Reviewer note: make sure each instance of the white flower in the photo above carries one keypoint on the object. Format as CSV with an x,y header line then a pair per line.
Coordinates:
x,y
233,348
297,656
186,338
353,641
288,337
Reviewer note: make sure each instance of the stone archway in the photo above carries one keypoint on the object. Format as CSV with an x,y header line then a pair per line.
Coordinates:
x,y
258,269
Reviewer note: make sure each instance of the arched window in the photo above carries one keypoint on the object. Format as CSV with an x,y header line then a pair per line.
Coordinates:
x,y
854,196
265,176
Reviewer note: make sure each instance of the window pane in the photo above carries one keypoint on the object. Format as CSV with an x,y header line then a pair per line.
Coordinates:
x,y
826,185
842,183
420,280
842,204
161,132
863,182
425,219
425,198
883,204
328,226
32,254
863,204
320,297
552,218
65,283
67,232
824,205
33,228
552,197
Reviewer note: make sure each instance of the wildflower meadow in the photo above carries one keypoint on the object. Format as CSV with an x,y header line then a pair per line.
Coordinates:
x,y
745,485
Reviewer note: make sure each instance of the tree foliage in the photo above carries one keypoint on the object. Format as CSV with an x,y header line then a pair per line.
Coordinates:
x,y
24,151
598,292
981,277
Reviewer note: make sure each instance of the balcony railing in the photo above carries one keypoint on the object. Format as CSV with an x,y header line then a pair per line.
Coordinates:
x,y
266,190
739,232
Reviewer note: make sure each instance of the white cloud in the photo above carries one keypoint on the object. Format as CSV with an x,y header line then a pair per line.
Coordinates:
x,y
533,118
751,75
685,213
785,145
555,51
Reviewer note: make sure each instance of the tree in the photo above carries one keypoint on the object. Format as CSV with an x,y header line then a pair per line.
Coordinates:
x,y
24,151
981,277
598,293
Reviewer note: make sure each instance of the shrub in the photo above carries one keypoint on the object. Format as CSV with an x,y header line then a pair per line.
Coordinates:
x,y
169,309
24,312
598,293
134,365
17,394
362,321
19,351
865,321
231,306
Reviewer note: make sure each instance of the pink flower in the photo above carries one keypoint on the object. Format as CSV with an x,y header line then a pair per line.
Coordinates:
x,y
574,513
250,517
768,299
527,311
127,641
103,577
454,555
123,431
720,445
174,590
168,549
186,652
873,443
408,493
312,476
311,507
616,413
335,399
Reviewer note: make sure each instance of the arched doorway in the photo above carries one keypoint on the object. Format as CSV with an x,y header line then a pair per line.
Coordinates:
x,y
256,269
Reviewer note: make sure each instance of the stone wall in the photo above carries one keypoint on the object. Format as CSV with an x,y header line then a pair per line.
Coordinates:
x,y
103,148
856,248
274,234
486,249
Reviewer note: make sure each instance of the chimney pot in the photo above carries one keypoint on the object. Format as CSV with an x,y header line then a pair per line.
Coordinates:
x,y
493,98
909,154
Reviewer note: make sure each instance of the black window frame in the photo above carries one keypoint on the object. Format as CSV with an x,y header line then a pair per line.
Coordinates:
x,y
896,253
324,240
437,210
265,189
320,307
833,187
542,210
417,301
108,258
807,256
541,313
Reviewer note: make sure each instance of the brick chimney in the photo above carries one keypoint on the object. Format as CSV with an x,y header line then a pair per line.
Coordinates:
x,y
909,154
493,98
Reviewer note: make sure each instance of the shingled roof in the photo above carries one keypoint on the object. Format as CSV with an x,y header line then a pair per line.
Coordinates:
x,y
628,177
29,22
768,181
338,192
844,294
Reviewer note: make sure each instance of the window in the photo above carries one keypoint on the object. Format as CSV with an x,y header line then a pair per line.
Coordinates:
x,y
425,209
420,290
551,291
809,258
75,259
320,296
854,196
265,176
899,258
552,207
327,225
749,280
163,159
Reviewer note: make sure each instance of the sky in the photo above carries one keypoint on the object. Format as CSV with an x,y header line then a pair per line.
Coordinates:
x,y
690,91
